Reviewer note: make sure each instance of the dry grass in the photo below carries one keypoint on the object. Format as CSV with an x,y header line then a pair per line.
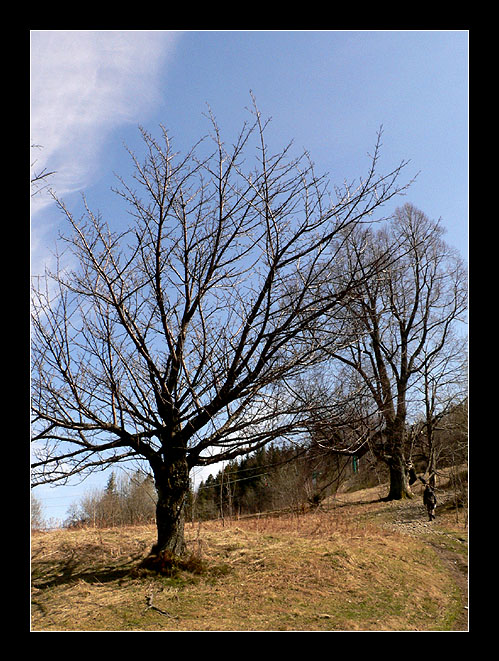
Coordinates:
x,y
313,572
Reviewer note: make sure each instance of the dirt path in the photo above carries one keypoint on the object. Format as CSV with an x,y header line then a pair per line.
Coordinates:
x,y
446,535
458,568
449,543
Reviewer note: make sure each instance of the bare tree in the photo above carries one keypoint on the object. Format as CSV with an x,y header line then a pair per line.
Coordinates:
x,y
37,519
443,388
174,341
398,333
39,178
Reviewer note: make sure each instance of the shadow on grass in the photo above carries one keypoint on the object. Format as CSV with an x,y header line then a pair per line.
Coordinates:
x,y
69,572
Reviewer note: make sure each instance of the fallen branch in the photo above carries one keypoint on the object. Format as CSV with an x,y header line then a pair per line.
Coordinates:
x,y
151,606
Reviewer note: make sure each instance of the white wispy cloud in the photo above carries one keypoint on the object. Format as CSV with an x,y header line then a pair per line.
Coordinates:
x,y
83,85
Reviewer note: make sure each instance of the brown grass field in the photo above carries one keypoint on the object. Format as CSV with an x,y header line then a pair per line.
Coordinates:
x,y
357,564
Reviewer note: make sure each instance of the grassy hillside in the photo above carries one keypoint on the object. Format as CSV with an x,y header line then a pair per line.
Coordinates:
x,y
358,564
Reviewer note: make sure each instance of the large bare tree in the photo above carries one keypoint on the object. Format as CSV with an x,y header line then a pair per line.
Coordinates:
x,y
174,340
399,332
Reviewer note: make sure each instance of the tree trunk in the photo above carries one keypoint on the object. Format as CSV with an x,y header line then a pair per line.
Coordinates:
x,y
388,447
399,479
172,486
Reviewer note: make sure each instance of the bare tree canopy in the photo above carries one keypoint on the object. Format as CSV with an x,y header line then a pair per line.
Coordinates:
x,y
173,340
400,334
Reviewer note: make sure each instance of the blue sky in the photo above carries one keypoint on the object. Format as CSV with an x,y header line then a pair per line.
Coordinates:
x,y
329,91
